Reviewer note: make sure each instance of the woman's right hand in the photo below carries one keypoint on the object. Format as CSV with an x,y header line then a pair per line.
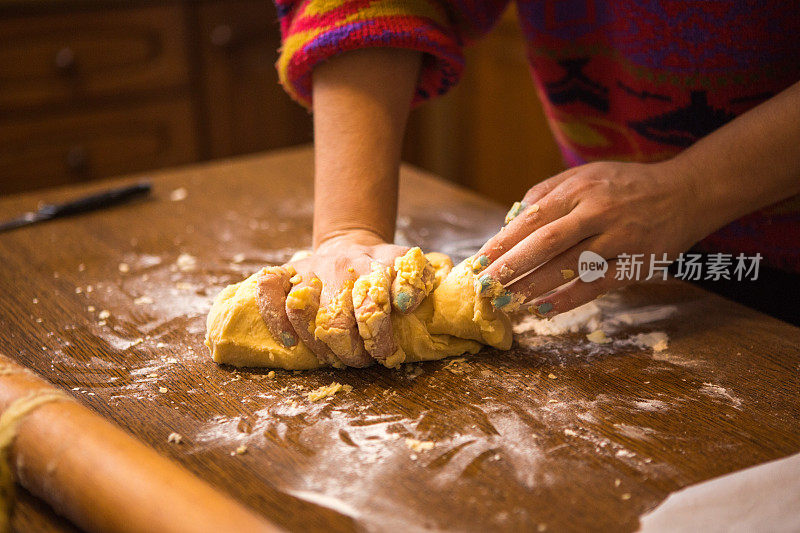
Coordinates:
x,y
339,299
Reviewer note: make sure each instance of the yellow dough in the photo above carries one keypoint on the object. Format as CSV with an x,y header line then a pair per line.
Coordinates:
x,y
452,320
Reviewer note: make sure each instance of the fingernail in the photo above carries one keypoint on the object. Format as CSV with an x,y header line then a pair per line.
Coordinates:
x,y
502,300
402,301
515,210
545,308
508,301
486,282
288,339
479,263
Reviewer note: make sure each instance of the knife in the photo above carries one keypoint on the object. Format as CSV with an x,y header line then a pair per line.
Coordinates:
x,y
85,204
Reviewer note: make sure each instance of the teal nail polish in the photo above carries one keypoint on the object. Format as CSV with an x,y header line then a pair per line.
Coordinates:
x,y
288,339
502,300
402,301
486,282
545,308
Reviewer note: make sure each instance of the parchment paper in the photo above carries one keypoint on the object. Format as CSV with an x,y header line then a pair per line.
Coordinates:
x,y
762,498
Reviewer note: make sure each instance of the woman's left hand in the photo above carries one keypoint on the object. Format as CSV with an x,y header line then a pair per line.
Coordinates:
x,y
607,207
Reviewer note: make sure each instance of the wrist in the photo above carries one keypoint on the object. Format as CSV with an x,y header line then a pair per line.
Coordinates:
x,y
706,203
358,236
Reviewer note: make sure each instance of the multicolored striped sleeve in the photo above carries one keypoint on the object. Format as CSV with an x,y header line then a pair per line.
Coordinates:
x,y
316,30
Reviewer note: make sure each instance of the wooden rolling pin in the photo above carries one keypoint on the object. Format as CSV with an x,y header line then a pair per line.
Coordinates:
x,y
98,476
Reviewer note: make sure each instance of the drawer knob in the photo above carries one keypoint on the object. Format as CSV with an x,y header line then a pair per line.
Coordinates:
x,y
65,60
221,35
77,159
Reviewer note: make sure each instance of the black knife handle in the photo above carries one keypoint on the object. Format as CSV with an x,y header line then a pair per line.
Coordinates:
x,y
95,201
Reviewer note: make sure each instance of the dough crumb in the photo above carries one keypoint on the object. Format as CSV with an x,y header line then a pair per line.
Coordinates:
x,y
657,340
137,342
153,375
567,273
271,374
143,300
617,482
626,496
238,258
186,263
178,194
327,391
241,450
598,336
552,376
163,390
541,527
455,365
104,314
175,438
419,445
81,267
124,268
413,371
90,309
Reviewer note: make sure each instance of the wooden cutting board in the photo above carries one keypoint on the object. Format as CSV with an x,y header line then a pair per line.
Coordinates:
x,y
555,434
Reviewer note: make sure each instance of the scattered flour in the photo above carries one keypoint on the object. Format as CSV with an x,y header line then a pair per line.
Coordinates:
x,y
596,319
584,318
721,393
178,194
186,263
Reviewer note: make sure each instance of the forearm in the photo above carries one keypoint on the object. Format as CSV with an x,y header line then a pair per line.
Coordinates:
x,y
749,163
361,102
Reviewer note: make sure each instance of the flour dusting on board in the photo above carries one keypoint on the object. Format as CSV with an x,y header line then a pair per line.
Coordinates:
x,y
602,321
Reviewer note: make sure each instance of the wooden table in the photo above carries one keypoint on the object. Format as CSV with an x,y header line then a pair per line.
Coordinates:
x,y
557,435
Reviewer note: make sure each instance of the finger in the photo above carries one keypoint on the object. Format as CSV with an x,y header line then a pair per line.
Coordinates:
x,y
577,292
336,323
413,280
558,271
387,255
371,302
533,251
530,218
271,288
545,187
302,304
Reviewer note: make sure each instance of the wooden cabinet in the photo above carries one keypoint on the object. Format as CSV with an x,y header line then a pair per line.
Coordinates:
x,y
247,110
71,57
65,148
97,88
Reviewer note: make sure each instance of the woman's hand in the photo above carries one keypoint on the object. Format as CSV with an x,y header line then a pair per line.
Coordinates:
x,y
338,300
606,207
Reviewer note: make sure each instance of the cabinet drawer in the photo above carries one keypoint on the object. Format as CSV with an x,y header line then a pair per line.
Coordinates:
x,y
67,57
247,109
81,146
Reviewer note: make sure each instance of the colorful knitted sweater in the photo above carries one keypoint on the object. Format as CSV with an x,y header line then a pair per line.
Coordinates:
x,y
631,80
